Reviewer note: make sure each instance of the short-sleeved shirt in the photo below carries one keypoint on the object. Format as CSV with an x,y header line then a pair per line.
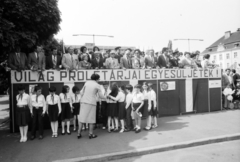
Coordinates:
x,y
52,100
129,98
76,98
146,95
138,97
22,101
120,97
64,98
38,101
152,96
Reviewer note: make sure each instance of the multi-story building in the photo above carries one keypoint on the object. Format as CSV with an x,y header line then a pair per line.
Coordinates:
x,y
225,51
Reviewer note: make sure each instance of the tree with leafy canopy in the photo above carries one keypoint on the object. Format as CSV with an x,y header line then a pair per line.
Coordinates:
x,y
27,23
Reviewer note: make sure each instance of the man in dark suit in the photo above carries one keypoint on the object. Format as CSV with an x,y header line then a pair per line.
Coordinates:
x,y
36,60
150,60
126,61
18,60
118,54
163,59
53,61
97,61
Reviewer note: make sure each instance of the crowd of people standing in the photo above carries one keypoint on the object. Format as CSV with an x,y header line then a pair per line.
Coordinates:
x,y
77,59
116,108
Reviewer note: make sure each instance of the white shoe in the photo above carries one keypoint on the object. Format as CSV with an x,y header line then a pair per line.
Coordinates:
x,y
21,140
121,131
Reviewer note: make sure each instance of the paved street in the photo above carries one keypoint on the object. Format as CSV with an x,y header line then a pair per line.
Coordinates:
x,y
219,152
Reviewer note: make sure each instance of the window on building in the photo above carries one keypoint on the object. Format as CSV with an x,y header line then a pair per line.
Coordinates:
x,y
227,56
235,65
221,65
235,54
227,65
220,57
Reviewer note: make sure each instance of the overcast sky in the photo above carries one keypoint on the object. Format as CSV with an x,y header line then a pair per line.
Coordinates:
x,y
148,23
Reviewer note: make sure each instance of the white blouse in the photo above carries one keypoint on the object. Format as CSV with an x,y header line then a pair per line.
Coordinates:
x,y
129,98
120,97
53,101
153,97
76,98
146,95
38,101
64,98
138,97
24,100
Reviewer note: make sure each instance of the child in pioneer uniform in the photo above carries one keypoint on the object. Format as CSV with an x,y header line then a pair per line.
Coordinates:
x,y
112,109
103,106
22,112
53,107
38,111
121,106
137,103
128,107
76,97
66,105
152,107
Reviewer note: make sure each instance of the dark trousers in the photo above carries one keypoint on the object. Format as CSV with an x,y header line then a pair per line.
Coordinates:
x,y
129,121
104,113
37,119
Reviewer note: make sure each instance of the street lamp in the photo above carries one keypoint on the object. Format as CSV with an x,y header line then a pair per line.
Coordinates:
x,y
93,35
189,41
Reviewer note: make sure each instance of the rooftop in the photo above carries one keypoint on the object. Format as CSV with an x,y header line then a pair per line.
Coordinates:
x,y
226,42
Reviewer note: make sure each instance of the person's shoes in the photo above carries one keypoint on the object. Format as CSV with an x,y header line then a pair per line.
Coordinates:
x,y
79,136
25,139
134,129
103,128
33,137
74,130
154,126
56,135
137,130
147,128
115,130
21,140
63,133
69,133
121,131
127,130
53,135
40,137
92,136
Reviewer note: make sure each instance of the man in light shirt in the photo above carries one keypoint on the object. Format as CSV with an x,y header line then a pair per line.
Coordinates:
x,y
70,60
112,62
38,110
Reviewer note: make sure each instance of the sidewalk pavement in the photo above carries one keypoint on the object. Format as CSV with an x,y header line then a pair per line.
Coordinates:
x,y
186,131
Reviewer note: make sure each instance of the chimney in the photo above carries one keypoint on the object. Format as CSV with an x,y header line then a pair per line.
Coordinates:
x,y
227,34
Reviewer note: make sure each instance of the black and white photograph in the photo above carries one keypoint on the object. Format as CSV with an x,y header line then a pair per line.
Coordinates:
x,y
119,80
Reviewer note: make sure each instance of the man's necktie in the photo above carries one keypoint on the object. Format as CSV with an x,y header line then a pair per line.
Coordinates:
x,y
76,97
54,61
52,99
18,57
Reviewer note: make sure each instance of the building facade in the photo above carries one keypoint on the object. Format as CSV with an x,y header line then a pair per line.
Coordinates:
x,y
225,51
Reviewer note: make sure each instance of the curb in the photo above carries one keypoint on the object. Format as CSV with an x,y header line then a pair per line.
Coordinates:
x,y
154,149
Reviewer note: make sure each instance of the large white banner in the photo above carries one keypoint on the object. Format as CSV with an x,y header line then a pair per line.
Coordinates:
x,y
112,75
